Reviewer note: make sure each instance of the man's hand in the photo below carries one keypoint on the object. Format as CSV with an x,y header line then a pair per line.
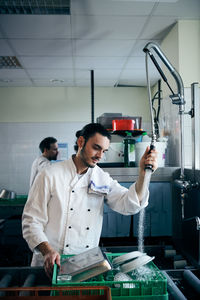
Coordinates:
x,y
50,258
149,158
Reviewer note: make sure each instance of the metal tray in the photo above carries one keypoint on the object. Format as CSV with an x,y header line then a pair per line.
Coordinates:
x,y
83,266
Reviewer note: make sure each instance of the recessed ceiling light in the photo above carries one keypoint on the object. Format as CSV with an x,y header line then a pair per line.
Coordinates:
x,y
57,81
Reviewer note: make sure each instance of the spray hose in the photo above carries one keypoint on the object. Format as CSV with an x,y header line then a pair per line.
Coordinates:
x,y
153,139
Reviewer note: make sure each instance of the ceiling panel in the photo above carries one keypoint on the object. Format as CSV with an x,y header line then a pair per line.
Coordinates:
x,y
46,62
12,74
16,82
36,47
138,76
109,7
28,26
187,9
5,49
107,27
103,47
51,73
107,36
138,62
97,82
99,62
153,31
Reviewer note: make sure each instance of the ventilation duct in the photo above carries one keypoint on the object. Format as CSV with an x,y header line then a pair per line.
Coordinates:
x,y
35,7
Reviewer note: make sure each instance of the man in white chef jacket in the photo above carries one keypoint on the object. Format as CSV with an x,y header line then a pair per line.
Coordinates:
x,y
64,210
49,150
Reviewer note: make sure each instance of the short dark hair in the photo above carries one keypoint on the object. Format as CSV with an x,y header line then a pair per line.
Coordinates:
x,y
90,130
46,143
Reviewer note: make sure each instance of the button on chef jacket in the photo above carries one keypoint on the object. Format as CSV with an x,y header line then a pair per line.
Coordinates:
x,y
67,211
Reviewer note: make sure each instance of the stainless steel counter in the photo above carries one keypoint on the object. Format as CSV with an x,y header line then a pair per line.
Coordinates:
x,y
131,174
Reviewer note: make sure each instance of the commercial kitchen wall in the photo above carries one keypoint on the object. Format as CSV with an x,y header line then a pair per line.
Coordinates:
x,y
68,104
27,115
182,48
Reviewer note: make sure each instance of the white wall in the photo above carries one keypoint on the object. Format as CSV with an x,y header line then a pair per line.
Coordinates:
x,y
50,104
182,48
189,51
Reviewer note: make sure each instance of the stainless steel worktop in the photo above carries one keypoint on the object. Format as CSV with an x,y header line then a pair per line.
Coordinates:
x,y
131,174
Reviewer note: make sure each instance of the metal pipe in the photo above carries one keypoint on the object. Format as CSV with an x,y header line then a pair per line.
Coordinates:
x,y
195,108
92,96
192,280
177,99
173,289
167,63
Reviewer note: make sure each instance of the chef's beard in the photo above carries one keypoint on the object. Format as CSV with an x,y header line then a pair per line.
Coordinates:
x,y
84,160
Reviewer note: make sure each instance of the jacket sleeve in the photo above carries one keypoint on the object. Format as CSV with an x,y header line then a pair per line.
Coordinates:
x,y
123,200
35,217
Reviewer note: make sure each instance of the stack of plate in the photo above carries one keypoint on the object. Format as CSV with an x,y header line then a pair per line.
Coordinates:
x,y
130,261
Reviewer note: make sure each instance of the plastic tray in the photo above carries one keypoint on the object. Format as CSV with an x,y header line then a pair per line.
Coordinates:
x,y
69,293
153,288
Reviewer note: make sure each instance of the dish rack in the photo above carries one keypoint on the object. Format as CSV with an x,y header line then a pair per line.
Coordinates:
x,y
154,288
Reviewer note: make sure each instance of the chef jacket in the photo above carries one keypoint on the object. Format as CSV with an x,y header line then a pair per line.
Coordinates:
x,y
38,164
67,211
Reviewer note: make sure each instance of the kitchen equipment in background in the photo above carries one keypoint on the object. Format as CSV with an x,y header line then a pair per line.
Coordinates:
x,y
123,124
115,153
160,147
6,194
106,120
129,150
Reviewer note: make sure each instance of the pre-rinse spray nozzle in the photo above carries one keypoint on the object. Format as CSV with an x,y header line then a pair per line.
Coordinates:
x,y
149,166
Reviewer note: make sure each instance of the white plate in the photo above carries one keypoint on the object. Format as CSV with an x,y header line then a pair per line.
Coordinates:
x,y
122,258
136,263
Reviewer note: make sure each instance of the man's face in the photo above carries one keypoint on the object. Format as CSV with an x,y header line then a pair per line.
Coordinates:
x,y
52,153
93,150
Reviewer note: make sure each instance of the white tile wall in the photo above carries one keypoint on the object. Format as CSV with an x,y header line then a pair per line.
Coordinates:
x,y
19,147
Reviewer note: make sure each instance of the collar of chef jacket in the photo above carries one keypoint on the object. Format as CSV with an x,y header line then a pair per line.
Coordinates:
x,y
95,179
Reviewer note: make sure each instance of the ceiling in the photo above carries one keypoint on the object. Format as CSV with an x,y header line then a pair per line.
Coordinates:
x,y
106,36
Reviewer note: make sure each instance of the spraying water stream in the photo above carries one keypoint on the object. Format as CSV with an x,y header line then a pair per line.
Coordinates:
x,y
147,179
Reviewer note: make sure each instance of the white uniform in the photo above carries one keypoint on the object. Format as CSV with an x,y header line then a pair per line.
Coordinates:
x,y
38,164
68,212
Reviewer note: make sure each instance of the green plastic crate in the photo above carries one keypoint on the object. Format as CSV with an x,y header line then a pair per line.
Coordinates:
x,y
155,288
